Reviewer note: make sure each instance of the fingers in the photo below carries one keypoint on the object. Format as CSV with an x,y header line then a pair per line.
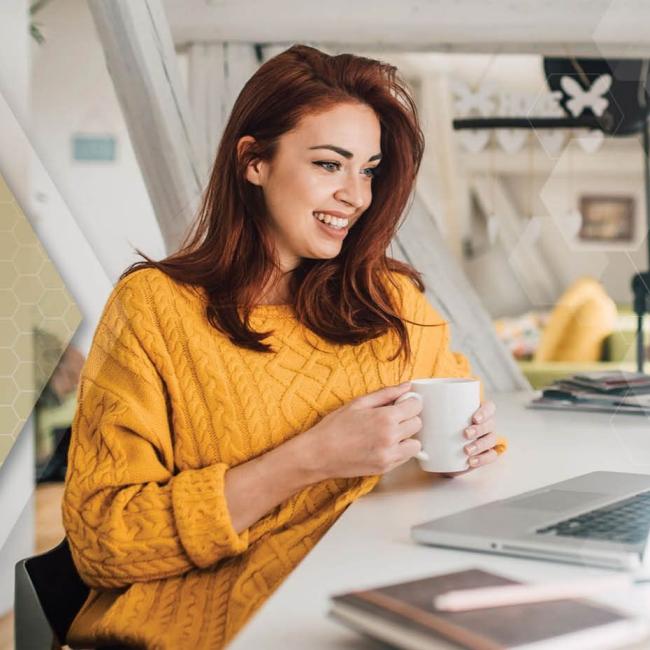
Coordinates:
x,y
407,409
481,450
486,411
482,421
480,445
408,428
408,448
483,459
477,430
384,396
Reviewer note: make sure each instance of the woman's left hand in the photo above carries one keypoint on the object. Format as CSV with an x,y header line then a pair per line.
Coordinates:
x,y
481,438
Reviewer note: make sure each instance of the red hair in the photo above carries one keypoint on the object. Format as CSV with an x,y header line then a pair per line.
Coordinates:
x,y
229,251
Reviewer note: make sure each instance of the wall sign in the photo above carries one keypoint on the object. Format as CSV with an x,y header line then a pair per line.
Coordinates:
x,y
95,148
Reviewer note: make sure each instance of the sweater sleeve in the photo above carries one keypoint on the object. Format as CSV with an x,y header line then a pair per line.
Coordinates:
x,y
129,514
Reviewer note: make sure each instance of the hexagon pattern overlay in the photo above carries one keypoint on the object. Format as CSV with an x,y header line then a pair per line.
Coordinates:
x,y
33,302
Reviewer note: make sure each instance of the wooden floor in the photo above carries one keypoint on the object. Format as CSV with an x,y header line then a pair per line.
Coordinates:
x,y
49,532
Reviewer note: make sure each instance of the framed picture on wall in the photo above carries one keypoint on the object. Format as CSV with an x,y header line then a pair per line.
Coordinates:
x,y
607,218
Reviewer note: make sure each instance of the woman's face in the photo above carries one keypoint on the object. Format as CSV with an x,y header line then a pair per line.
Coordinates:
x,y
323,167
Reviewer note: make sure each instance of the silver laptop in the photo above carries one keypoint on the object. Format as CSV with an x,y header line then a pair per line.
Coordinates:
x,y
598,519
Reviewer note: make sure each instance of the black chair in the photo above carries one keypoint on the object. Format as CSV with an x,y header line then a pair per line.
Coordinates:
x,y
48,595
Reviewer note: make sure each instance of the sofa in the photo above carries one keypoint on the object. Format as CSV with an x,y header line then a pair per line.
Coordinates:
x,y
618,353
585,332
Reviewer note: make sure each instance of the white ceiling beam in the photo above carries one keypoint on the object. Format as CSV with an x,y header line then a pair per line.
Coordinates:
x,y
554,27
142,62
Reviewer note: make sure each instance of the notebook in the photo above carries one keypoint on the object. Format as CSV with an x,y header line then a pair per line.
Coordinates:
x,y
403,615
606,392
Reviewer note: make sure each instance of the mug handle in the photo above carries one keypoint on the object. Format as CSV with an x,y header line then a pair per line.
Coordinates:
x,y
421,455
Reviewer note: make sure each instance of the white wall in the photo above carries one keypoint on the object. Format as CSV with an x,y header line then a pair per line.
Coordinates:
x,y
613,264
493,279
14,86
552,196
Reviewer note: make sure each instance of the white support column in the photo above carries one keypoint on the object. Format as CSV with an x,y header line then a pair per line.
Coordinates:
x,y
142,61
441,184
216,74
528,264
17,473
421,244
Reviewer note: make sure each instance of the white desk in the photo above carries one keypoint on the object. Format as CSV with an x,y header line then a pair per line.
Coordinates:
x,y
370,544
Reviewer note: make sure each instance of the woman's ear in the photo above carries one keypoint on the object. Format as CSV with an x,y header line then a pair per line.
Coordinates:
x,y
253,172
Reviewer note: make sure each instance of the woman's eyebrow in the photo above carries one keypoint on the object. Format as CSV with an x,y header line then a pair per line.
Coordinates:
x,y
343,152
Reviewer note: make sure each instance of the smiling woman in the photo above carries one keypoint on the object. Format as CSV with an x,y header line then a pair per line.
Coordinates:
x,y
240,394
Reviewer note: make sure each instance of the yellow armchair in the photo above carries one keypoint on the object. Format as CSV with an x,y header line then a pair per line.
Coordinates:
x,y
579,324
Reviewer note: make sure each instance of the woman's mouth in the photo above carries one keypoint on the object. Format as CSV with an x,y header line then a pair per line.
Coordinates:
x,y
334,223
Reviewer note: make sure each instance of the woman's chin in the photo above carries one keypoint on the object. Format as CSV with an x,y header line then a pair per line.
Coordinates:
x,y
324,251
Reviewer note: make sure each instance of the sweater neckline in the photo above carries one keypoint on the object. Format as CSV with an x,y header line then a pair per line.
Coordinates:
x,y
285,309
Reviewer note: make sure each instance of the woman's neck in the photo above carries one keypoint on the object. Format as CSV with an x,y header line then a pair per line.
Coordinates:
x,y
276,292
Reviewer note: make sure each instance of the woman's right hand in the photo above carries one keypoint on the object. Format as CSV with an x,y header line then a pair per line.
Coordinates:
x,y
368,435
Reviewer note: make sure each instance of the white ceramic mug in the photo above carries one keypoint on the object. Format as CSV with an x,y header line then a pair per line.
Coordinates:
x,y
447,410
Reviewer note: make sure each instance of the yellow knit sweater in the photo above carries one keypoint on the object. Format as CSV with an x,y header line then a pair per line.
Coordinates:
x,y
166,405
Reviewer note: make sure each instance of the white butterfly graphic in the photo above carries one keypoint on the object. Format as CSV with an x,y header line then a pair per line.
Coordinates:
x,y
474,140
469,102
591,98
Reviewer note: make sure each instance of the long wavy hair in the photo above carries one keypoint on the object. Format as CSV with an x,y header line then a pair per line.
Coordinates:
x,y
229,250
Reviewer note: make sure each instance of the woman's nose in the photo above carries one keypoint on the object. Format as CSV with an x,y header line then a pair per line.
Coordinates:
x,y
352,191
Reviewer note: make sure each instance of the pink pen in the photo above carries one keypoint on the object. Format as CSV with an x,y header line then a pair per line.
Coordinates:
x,y
485,597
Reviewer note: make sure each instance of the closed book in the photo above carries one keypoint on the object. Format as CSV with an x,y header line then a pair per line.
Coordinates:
x,y
592,407
612,378
404,616
557,391
613,383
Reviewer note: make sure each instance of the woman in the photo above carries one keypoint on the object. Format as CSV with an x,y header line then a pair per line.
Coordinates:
x,y
239,394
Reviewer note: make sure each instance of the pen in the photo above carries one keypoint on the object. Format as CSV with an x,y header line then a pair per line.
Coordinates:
x,y
484,597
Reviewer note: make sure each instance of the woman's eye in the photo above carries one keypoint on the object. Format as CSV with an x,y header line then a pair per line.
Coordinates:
x,y
331,166
374,171
328,165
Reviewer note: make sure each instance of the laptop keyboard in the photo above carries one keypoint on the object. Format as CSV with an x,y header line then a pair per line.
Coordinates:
x,y
626,522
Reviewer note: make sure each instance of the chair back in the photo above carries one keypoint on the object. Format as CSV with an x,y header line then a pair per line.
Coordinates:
x,y
48,595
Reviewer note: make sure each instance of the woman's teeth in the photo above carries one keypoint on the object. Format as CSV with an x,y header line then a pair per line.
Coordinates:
x,y
334,222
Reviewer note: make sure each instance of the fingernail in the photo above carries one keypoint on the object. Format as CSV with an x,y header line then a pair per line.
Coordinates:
x,y
473,462
471,449
470,432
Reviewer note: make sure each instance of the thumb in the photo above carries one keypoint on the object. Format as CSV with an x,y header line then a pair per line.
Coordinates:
x,y
383,396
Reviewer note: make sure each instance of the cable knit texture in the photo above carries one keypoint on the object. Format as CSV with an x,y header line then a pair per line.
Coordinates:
x,y
166,404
